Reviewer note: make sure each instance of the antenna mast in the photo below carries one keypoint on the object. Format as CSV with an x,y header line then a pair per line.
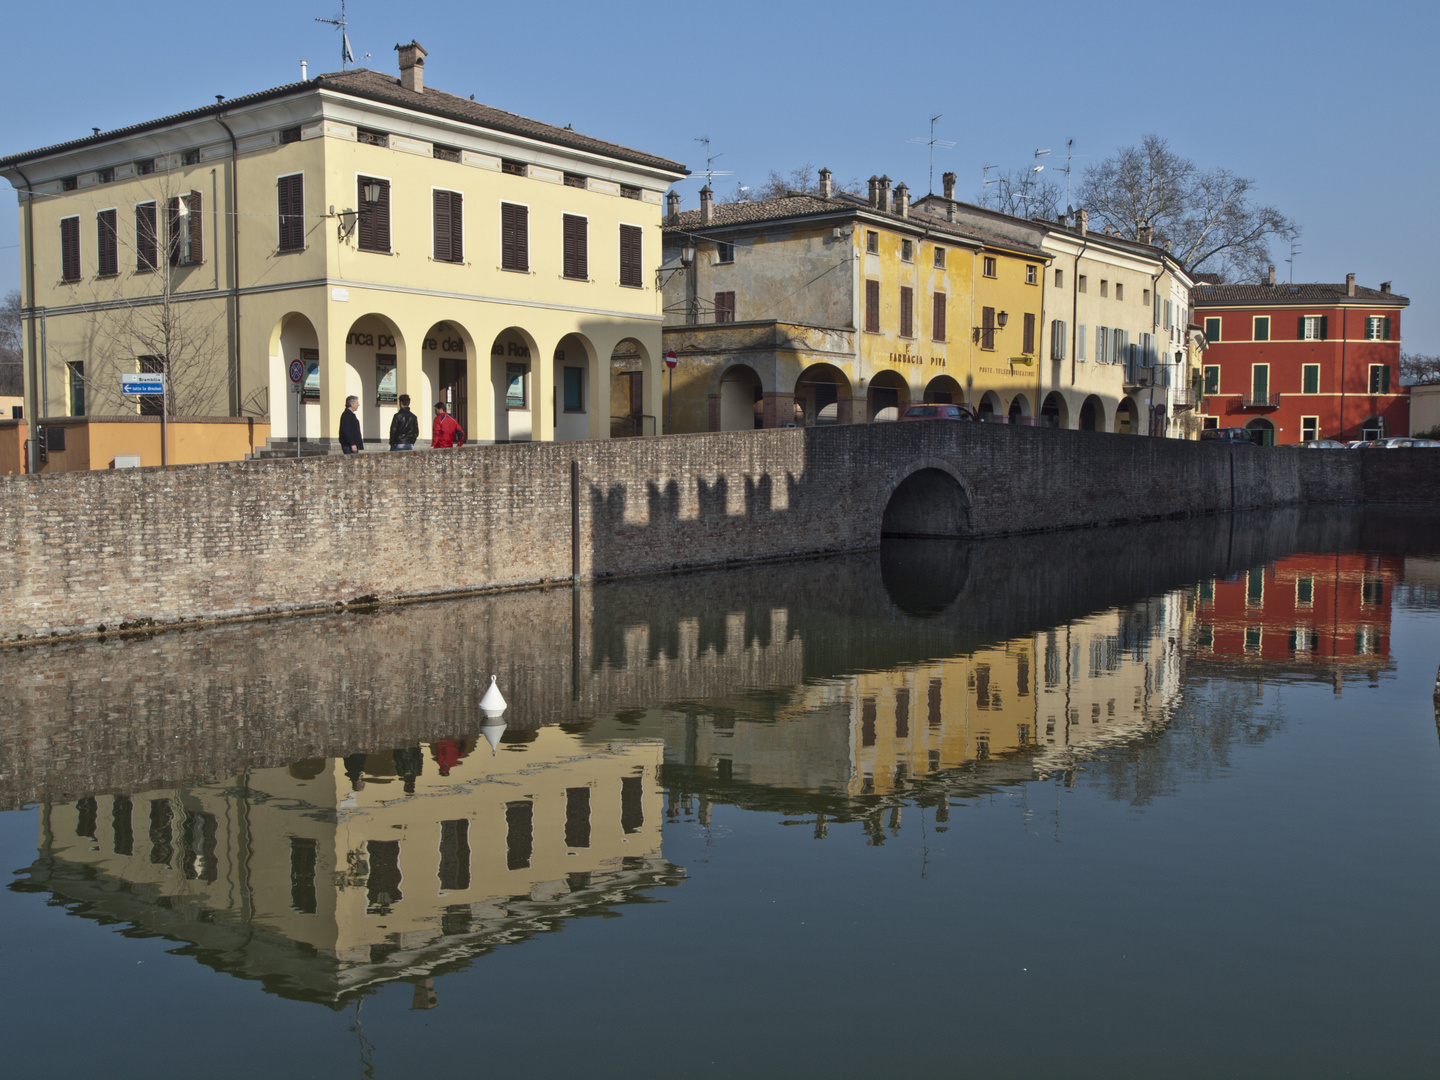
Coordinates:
x,y
1294,251
710,171
933,142
985,183
347,56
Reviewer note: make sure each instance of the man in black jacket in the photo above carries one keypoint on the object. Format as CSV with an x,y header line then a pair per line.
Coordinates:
x,y
405,427
351,441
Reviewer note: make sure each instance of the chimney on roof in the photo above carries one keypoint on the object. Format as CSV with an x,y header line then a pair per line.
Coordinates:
x,y
886,203
1385,287
707,205
1145,234
672,208
1349,284
1082,220
950,210
948,180
1062,220
902,201
1270,276
827,185
412,66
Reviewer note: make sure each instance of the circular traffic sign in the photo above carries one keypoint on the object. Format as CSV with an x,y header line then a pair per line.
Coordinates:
x,y
297,371
671,359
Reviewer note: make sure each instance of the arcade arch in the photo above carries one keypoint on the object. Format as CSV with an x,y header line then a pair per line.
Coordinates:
x,y
741,399
990,407
1127,418
1054,412
822,396
888,396
943,390
1092,414
1019,409
1262,431
294,338
374,351
576,371
512,356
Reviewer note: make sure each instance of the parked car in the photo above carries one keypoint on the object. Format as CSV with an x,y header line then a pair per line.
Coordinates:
x,y
938,411
1323,444
1366,444
1236,436
1397,443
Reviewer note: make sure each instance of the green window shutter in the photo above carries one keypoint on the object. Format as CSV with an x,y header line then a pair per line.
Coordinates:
x,y
1324,327
1300,330
1385,379
1387,327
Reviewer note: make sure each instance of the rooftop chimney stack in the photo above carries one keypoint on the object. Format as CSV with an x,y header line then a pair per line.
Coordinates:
x,y
707,205
950,210
1349,284
948,181
672,208
902,201
874,190
1385,287
1062,220
1145,234
827,186
1082,220
1270,275
886,202
412,66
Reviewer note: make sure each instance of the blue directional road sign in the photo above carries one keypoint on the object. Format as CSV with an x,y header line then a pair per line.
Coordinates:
x,y
142,384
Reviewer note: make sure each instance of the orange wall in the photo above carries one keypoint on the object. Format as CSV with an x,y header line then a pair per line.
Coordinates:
x,y
94,444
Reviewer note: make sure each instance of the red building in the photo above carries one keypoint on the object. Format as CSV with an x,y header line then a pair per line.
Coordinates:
x,y
1298,362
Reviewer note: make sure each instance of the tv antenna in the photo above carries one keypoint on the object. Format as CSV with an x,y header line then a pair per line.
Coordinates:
x,y
932,142
710,171
985,183
347,55
1294,251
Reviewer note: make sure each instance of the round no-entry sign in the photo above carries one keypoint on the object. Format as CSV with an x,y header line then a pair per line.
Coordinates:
x,y
297,370
671,359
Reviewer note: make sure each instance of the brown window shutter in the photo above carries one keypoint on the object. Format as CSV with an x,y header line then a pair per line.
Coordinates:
x,y
107,243
172,230
374,217
70,249
938,322
630,269
725,307
576,254
872,306
514,237
987,328
146,239
907,311
196,203
441,201
1029,346
457,227
291,199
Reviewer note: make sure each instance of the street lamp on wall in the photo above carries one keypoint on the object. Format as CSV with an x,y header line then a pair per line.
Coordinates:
x,y
687,253
371,191
1002,318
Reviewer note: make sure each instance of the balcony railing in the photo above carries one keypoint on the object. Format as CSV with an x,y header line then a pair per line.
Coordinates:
x,y
1260,401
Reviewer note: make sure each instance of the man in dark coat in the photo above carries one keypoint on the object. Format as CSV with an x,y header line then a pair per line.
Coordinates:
x,y
405,427
351,441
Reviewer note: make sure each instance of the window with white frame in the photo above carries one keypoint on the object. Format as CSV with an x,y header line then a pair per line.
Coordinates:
x,y
1309,428
1312,328
1377,328
1057,339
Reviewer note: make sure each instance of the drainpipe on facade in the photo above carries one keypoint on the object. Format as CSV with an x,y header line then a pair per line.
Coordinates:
x,y
32,457
1075,310
1344,340
236,390
1155,325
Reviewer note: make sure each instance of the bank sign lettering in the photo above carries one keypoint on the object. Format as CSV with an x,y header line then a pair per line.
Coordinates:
x,y
142,384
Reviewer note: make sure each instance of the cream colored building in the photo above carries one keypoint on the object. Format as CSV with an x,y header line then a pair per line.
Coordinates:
x,y
374,870
389,237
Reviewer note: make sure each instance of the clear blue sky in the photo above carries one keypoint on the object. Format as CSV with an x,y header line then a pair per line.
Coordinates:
x,y
1330,107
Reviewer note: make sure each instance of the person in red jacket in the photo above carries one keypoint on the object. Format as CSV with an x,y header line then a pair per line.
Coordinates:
x,y
443,435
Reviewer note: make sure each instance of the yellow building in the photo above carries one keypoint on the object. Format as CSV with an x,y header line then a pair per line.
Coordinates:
x,y
387,237
831,308
331,876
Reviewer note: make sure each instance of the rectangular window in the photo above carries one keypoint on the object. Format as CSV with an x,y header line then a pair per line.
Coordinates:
x,y
1169,312
304,858
1119,291
515,386
449,227
1379,378
511,167
1255,586
364,136
631,274
907,311
1032,275
1310,378
629,192
1081,283
575,180
872,242
937,318
1080,341
725,306
1304,592
184,230
939,258
292,135
75,380
632,804
1059,278
290,197
1212,330
988,266
519,833
1309,428
70,249
152,404
724,253
1057,340
1212,379
1377,328
1102,345
577,817
872,306
1028,348
107,243
1145,296
454,870
1260,383
374,216
577,247
384,379
1104,287
1372,592
444,153
907,251
514,237
987,328
1312,327
1262,328
574,389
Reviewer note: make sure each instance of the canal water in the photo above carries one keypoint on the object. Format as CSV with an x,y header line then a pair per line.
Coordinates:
x,y
1132,802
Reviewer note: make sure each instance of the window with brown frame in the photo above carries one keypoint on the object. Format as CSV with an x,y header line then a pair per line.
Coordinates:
x,y
987,328
290,207
937,319
449,226
514,237
147,254
374,227
872,306
631,271
107,244
184,232
907,311
725,307
70,249
576,247
1028,348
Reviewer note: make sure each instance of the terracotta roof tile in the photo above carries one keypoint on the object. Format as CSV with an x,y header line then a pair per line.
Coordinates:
x,y
1206,294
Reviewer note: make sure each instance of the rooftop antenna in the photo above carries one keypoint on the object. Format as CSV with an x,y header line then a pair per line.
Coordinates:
x,y
347,55
1294,251
710,171
985,183
1069,157
932,142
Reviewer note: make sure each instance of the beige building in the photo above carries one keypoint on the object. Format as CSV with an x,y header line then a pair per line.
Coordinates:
x,y
386,237
334,875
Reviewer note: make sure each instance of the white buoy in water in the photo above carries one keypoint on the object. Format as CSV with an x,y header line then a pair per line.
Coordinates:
x,y
493,703
491,731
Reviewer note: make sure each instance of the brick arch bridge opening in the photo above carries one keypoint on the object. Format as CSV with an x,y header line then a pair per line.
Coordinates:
x,y
930,503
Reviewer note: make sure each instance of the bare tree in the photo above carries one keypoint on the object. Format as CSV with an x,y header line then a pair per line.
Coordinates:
x,y
805,179
12,376
1208,218
1022,193
1419,368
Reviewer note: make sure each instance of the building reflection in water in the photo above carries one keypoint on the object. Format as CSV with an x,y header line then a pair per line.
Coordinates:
x,y
331,876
